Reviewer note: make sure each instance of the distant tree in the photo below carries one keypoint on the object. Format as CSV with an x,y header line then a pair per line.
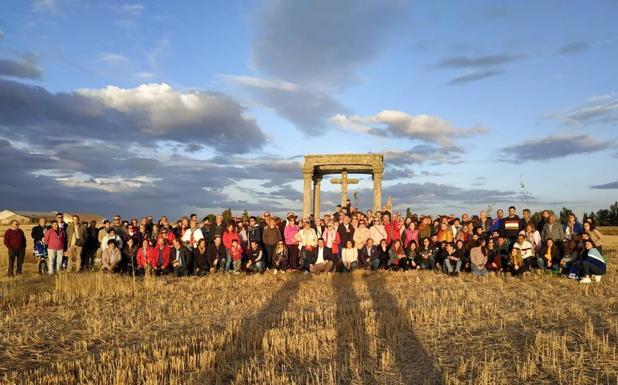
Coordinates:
x,y
245,215
408,213
212,217
564,214
227,215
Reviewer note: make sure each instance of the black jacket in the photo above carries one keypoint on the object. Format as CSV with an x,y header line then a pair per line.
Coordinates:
x,y
213,253
186,258
345,235
215,230
365,255
38,232
200,260
313,257
255,234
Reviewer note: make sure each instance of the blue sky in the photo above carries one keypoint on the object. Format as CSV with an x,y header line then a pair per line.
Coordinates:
x,y
174,107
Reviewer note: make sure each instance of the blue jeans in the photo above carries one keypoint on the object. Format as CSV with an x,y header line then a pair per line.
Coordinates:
x,y
228,260
427,264
258,266
375,263
478,272
449,268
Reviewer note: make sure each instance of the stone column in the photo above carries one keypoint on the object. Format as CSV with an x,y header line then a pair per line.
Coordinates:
x,y
316,196
377,189
307,193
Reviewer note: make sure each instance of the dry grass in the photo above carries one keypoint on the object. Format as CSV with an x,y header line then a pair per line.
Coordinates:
x,y
384,328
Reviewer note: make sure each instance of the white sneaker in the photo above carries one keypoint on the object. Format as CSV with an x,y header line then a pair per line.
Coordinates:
x,y
585,280
596,278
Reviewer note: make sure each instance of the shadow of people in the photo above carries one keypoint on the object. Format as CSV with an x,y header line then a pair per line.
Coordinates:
x,y
240,348
353,363
414,364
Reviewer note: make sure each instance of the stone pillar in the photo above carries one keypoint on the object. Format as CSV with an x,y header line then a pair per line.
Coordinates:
x,y
307,193
316,196
377,189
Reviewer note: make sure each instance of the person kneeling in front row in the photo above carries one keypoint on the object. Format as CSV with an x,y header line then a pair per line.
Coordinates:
x,y
111,257
256,257
593,264
320,259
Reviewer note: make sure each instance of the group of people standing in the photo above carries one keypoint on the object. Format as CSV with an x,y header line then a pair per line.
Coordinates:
x,y
342,241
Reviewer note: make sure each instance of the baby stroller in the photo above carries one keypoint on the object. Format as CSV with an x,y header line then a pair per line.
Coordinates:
x,y
40,251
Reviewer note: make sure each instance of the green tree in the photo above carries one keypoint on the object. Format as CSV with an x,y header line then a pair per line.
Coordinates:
x,y
408,213
212,217
564,215
245,215
227,215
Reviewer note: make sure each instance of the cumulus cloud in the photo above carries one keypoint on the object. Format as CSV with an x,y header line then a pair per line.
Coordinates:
x,y
305,52
426,128
320,42
598,109
24,67
606,186
108,177
573,47
308,110
554,146
145,114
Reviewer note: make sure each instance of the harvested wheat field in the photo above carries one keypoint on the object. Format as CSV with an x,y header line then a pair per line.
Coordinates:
x,y
360,328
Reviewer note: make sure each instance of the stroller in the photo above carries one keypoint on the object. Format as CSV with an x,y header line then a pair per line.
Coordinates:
x,y
40,252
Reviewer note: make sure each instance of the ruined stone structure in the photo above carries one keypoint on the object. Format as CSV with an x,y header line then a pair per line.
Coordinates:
x,y
316,166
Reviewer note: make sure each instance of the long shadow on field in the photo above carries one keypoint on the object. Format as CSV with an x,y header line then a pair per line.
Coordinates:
x,y
351,335
414,363
239,349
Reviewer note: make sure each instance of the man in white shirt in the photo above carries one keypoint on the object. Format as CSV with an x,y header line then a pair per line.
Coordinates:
x,y
527,252
192,236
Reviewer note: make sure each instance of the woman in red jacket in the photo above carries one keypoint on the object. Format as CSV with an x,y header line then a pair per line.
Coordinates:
x,y
160,257
229,235
143,257
54,239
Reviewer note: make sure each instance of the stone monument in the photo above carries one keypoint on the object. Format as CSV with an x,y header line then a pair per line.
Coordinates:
x,y
316,166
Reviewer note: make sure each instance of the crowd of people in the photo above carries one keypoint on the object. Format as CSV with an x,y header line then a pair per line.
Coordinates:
x,y
342,241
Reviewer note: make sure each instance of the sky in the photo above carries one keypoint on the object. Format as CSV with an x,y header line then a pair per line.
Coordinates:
x,y
159,107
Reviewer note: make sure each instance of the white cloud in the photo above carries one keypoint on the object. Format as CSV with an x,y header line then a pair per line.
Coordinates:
x,y
601,108
154,55
113,59
45,5
250,81
422,127
132,9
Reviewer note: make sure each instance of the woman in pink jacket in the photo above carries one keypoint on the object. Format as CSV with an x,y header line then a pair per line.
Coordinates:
x,y
54,239
289,233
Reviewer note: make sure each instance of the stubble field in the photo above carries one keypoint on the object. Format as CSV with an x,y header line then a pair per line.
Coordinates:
x,y
360,328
